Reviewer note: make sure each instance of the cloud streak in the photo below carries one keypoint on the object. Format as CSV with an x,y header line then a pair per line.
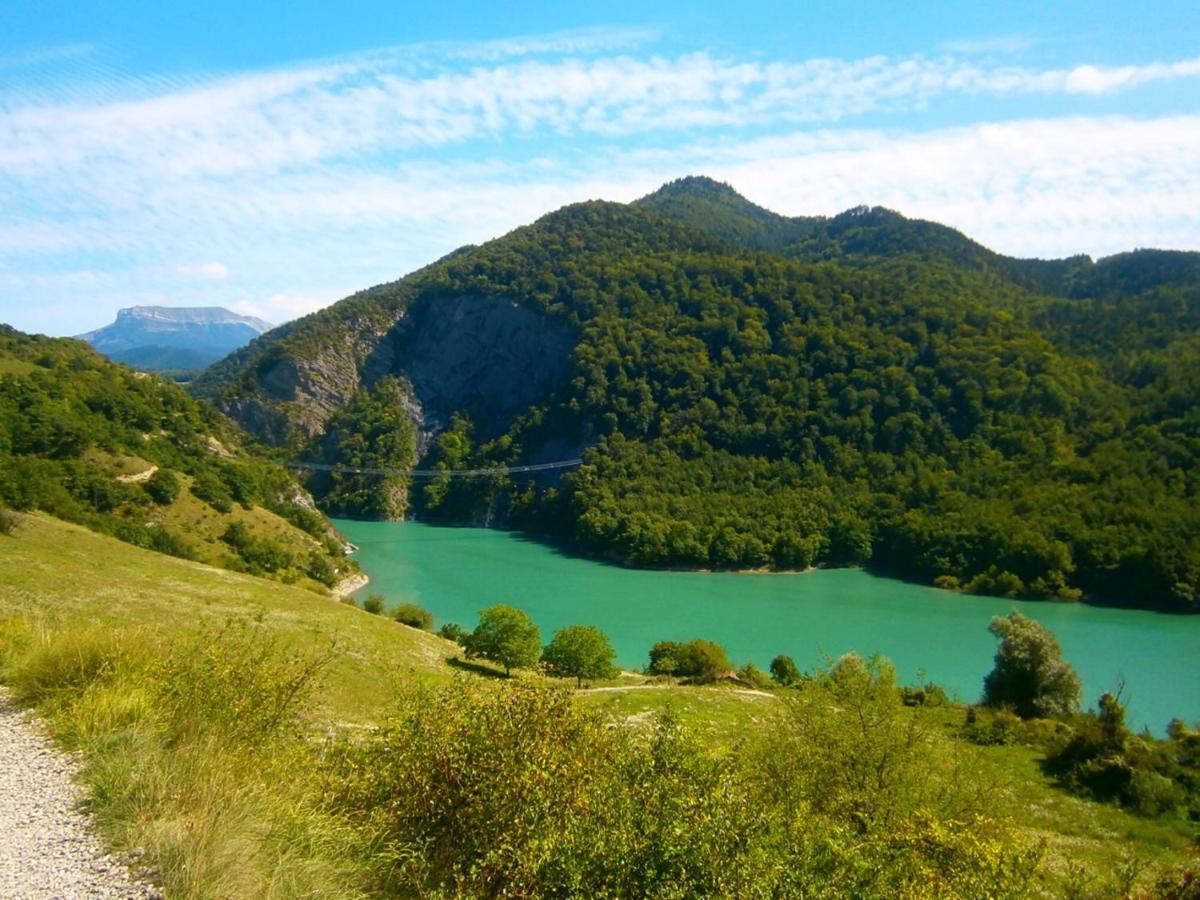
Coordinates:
x,y
313,181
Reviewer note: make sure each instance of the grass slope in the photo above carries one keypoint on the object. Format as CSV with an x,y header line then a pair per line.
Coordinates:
x,y
63,576
222,817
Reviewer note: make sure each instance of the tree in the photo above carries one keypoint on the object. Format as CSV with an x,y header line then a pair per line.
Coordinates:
x,y
507,636
579,652
1030,674
784,670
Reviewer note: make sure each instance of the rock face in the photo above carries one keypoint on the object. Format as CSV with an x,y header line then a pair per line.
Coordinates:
x,y
480,355
163,337
485,356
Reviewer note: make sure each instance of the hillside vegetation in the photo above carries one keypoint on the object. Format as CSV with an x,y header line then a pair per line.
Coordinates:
x,y
134,456
220,721
758,391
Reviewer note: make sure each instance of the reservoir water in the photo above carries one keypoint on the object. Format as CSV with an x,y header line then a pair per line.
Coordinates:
x,y
455,572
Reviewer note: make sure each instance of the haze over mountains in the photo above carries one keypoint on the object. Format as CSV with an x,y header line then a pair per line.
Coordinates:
x,y
752,390
168,337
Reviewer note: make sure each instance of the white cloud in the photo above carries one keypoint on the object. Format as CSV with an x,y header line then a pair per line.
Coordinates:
x,y
318,180
280,308
214,270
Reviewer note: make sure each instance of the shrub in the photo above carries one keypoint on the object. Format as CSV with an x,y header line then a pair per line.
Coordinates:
x,y
756,677
209,487
692,659
928,694
373,604
509,789
237,682
784,671
452,631
989,728
413,616
163,487
319,568
8,521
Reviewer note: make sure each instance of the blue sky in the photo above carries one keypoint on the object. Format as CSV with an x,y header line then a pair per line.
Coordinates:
x,y
273,159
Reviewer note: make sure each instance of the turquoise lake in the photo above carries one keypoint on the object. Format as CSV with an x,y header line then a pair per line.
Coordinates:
x,y
455,572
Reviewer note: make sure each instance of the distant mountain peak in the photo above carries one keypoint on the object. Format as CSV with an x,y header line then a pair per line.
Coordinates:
x,y
165,337
191,315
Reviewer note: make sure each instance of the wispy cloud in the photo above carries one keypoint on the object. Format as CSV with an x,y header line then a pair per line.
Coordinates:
x,y
996,44
214,270
318,179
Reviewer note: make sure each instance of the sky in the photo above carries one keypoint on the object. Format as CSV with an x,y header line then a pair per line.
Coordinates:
x,y
274,157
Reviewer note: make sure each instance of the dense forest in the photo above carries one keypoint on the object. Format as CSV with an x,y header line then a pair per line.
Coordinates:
x,y
131,455
754,391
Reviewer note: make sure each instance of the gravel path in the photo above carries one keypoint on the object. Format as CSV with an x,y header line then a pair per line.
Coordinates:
x,y
47,849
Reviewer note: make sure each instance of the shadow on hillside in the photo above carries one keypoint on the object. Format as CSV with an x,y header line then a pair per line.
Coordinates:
x,y
457,662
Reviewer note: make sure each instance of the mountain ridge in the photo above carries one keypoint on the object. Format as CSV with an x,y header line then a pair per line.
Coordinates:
x,y
903,398
169,337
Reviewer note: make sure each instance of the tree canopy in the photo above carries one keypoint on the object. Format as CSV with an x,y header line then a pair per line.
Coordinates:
x,y
507,636
1030,674
579,652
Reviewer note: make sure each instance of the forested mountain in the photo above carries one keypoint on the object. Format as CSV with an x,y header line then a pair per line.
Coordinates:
x,y
751,390
130,455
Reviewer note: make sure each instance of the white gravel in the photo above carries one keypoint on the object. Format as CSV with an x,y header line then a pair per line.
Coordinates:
x,y
47,848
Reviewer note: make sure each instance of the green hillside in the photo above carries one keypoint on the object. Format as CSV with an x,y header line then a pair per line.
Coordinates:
x,y
252,739
133,456
909,406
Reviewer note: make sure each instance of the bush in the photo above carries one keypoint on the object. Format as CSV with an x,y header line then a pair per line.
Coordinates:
x,y
239,683
319,568
373,604
452,631
784,671
413,616
1103,761
163,487
691,659
209,487
929,694
8,521
484,789
989,728
756,677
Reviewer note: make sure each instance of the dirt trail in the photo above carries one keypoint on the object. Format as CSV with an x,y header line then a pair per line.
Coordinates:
x,y
47,848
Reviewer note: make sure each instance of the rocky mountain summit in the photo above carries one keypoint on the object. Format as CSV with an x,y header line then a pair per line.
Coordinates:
x,y
169,337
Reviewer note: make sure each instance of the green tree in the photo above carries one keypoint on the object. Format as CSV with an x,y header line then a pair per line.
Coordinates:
x,y
1030,674
579,652
507,636
784,670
